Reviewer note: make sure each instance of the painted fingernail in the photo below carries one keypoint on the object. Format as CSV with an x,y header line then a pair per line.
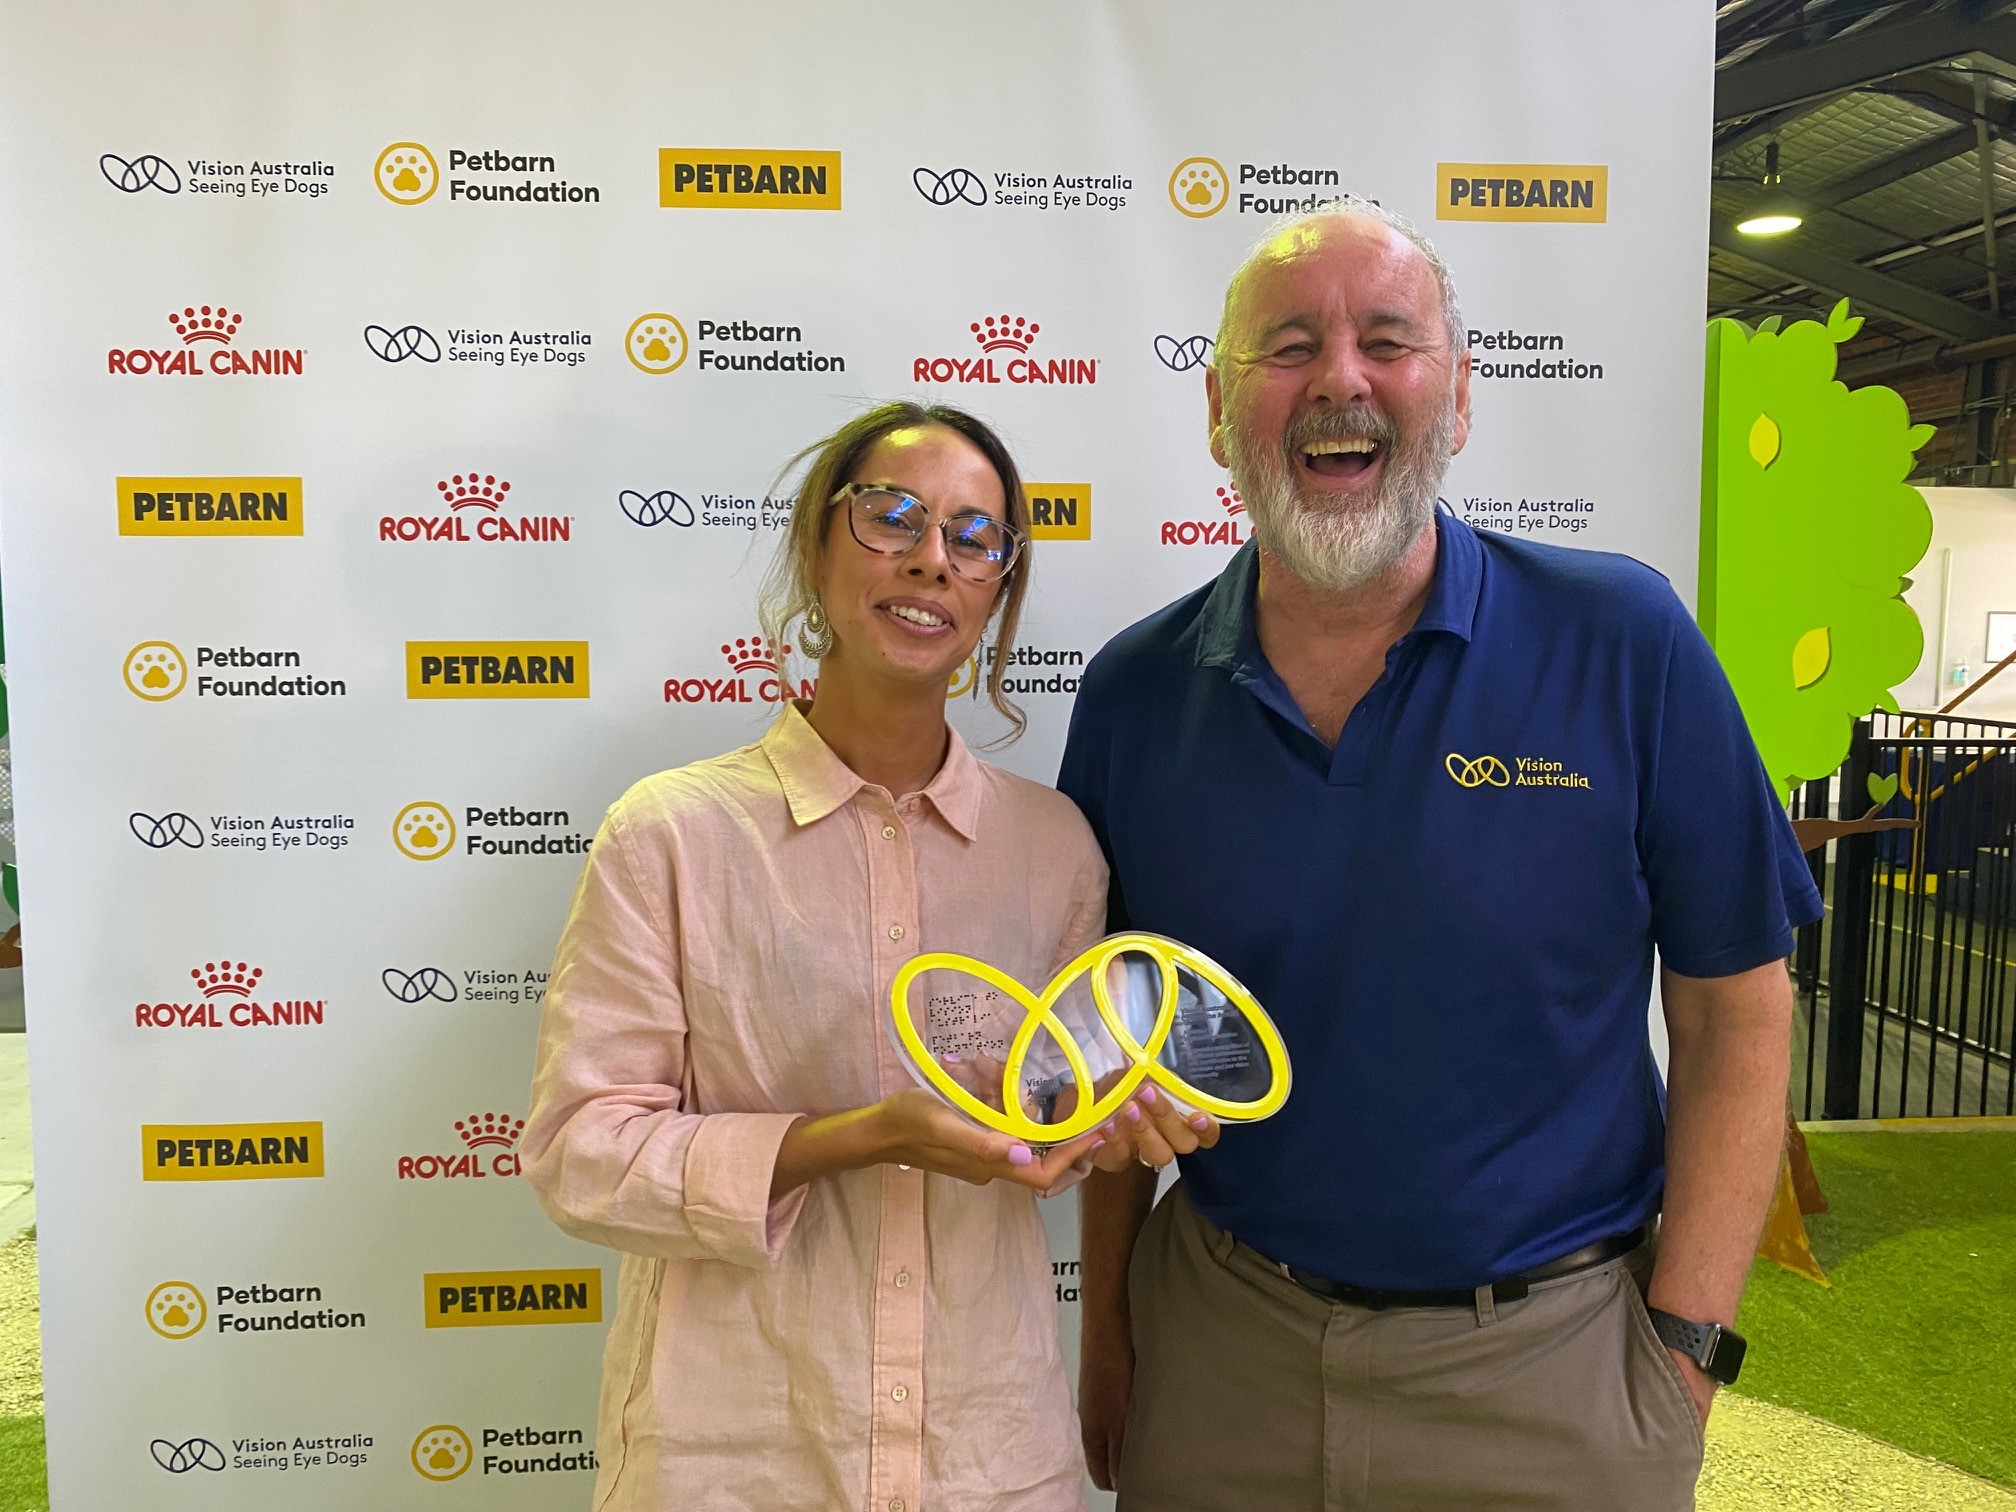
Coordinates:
x,y
1200,1123
1019,1156
1133,1114
1095,1145
1148,1096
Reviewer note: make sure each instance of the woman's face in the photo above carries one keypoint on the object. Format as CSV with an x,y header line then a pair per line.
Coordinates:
x,y
910,617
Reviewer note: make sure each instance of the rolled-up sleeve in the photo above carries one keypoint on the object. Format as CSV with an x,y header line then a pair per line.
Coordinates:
x,y
611,1147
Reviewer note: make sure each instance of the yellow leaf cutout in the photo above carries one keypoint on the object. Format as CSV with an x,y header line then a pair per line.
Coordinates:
x,y
1764,441
1811,656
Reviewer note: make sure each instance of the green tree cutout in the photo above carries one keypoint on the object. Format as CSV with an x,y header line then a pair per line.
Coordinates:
x,y
1807,531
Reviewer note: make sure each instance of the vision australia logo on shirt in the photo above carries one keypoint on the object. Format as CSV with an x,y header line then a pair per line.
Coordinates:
x,y
1525,771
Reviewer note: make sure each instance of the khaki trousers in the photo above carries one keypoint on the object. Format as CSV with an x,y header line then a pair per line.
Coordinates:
x,y
1252,1394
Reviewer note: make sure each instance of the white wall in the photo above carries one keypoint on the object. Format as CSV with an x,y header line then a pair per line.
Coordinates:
x,y
1978,526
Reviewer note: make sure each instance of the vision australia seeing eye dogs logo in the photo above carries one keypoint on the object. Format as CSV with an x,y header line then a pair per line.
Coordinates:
x,y
1477,771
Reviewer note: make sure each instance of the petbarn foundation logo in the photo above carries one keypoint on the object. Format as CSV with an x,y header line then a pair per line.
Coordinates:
x,y
444,1452
1004,342
1527,354
485,1144
157,672
481,984
283,834
1522,191
1525,771
230,1152
707,511
496,669
209,506
428,831
491,1299
1555,517
732,178
656,344
476,507
324,1451
241,178
407,173
1200,187
1023,191
228,995
1059,511
1031,670
1223,525
492,346
754,674
204,344
179,1310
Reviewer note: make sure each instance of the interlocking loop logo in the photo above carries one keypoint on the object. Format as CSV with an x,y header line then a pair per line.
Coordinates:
x,y
144,172
190,1454
1039,1014
442,1452
951,186
1180,356
166,830
407,341
418,986
656,508
1477,771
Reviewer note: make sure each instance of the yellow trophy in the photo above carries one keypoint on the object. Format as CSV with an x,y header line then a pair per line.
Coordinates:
x,y
1048,1066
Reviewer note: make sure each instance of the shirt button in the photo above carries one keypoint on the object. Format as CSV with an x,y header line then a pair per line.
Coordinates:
x,y
895,931
901,1393
902,1278
895,1504
888,832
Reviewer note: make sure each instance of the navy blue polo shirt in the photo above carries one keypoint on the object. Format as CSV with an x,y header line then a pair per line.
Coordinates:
x,y
1450,916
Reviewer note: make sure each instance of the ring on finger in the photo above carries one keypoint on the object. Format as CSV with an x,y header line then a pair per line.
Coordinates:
x,y
1147,1162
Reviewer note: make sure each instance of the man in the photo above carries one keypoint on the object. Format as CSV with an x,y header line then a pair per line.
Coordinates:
x,y
1435,796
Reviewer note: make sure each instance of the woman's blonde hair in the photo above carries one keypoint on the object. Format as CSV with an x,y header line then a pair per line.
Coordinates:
x,y
829,465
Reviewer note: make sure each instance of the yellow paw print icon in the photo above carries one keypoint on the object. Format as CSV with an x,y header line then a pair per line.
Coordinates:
x,y
442,1452
156,671
425,831
656,343
175,1310
407,173
1199,187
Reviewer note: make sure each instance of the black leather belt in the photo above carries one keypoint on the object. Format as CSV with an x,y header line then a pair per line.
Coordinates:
x,y
1509,1290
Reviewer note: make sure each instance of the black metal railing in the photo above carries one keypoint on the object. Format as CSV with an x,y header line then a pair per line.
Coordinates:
x,y
1907,988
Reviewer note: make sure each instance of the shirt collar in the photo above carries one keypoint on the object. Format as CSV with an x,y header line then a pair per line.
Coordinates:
x,y
816,781
1225,634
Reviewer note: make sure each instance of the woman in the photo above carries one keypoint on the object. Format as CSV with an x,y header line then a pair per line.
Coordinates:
x,y
810,1314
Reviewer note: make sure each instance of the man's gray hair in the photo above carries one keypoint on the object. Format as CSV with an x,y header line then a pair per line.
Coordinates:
x,y
1350,204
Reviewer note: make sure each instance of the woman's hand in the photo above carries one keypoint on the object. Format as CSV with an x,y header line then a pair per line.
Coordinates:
x,y
917,1129
1152,1130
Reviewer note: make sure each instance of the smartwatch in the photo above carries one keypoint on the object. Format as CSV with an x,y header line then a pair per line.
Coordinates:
x,y
1717,1350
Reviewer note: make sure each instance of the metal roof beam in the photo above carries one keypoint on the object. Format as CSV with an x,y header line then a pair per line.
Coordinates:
x,y
1927,154
1783,78
1866,287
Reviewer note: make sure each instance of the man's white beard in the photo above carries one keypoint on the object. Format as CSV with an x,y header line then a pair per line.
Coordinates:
x,y
1340,541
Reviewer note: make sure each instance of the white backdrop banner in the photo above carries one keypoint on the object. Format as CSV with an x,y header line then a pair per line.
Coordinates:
x,y
389,442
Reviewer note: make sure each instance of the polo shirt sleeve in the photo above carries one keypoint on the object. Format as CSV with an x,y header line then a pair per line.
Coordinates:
x,y
1084,777
1727,882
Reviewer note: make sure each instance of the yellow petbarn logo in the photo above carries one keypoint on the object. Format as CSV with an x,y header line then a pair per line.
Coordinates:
x,y
176,1310
406,173
442,1452
1522,191
496,669
230,1152
424,830
155,671
490,1299
739,178
1477,771
209,506
1059,511
1199,187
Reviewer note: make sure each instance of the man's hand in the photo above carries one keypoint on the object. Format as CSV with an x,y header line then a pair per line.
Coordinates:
x,y
1700,1385
1112,1208
1105,1388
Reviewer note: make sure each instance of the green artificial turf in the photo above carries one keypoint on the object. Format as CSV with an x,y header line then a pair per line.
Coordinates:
x,y
24,1485
1915,1344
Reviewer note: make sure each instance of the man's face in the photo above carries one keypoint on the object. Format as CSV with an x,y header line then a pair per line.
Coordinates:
x,y
1339,404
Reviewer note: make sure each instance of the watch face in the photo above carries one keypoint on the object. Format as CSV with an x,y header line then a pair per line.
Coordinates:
x,y
1725,1361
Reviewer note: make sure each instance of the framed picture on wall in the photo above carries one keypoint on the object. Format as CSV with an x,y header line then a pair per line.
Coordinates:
x,y
2001,636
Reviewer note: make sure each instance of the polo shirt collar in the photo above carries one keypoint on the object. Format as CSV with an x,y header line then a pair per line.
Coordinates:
x,y
1225,633
816,781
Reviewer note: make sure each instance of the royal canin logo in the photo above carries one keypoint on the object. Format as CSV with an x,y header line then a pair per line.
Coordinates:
x,y
1011,334
226,999
1211,532
489,1148
756,668
473,510
205,336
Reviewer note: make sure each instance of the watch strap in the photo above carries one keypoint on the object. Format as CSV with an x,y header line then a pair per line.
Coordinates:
x,y
1717,1350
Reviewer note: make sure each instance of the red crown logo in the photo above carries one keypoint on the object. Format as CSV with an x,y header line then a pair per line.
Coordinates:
x,y
473,490
999,333
205,323
489,1129
1229,497
754,654
226,978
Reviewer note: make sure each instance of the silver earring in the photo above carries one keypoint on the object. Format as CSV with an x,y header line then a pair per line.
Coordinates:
x,y
815,636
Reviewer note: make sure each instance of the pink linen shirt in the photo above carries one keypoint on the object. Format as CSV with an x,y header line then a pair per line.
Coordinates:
x,y
881,1340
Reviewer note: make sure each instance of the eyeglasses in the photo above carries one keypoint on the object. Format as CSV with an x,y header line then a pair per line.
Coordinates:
x,y
980,548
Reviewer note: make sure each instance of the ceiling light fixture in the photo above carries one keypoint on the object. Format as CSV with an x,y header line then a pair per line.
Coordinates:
x,y
1777,212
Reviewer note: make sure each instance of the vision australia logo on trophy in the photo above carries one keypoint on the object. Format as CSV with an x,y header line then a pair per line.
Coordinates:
x,y
1052,1065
